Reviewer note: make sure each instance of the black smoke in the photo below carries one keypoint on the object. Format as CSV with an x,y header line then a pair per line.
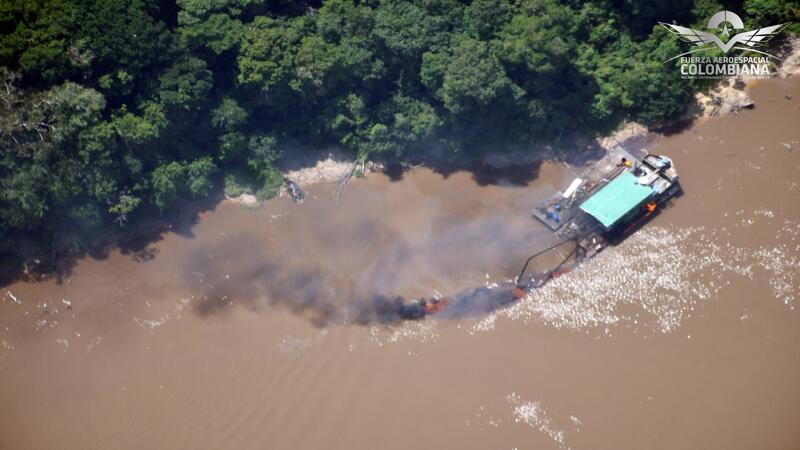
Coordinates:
x,y
480,301
310,295
236,274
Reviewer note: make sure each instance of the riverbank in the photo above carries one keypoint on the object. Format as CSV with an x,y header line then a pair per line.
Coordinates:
x,y
729,96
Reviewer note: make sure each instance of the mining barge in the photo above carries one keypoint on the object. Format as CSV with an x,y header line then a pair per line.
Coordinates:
x,y
610,199
602,206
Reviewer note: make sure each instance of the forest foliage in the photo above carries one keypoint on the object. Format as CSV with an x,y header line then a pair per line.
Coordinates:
x,y
115,110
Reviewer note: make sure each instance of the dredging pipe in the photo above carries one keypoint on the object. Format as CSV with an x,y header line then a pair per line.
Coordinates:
x,y
530,258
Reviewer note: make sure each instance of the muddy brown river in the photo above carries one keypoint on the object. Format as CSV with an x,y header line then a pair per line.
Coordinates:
x,y
249,331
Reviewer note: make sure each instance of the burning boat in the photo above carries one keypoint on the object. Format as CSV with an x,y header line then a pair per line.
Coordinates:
x,y
607,202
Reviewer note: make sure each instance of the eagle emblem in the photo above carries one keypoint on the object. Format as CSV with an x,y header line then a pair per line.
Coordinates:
x,y
746,40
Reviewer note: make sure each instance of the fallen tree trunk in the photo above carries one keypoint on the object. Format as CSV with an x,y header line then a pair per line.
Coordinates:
x,y
342,183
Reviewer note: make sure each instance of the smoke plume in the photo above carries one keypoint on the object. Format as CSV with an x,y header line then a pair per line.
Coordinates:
x,y
321,298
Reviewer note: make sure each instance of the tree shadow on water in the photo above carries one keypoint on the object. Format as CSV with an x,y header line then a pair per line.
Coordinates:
x,y
32,260
512,167
516,175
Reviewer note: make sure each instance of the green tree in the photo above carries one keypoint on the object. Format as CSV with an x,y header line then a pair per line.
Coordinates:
x,y
484,18
407,30
38,168
228,115
474,79
313,63
198,176
212,25
268,50
167,180
762,13
173,179
351,124
262,154
186,84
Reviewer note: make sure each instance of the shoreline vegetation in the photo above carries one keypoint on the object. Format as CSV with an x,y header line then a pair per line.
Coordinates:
x,y
728,96
124,120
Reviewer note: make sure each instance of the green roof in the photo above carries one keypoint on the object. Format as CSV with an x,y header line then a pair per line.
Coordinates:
x,y
616,199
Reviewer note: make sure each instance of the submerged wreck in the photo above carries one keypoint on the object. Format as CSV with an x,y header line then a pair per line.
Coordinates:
x,y
606,203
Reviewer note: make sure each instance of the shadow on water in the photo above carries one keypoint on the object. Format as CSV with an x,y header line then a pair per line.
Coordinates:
x,y
520,167
483,173
31,262
394,170
676,127
518,175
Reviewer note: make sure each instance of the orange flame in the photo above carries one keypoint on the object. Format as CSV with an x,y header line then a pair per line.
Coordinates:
x,y
435,305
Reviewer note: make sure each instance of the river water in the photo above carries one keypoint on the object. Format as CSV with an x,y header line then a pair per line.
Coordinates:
x,y
249,330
